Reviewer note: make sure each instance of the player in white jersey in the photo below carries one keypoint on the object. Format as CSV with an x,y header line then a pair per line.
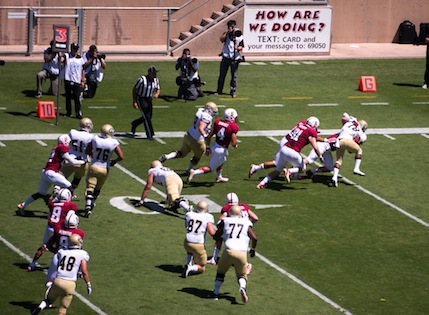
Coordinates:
x,y
197,224
172,182
351,136
79,141
101,149
194,138
62,275
236,232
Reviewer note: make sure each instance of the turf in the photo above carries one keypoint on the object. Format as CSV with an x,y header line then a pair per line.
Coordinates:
x,y
359,252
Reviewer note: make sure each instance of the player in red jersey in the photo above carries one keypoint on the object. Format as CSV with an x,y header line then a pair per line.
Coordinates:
x,y
63,231
59,207
226,133
303,133
51,174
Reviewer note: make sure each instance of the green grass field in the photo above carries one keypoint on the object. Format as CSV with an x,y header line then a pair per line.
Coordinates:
x,y
360,248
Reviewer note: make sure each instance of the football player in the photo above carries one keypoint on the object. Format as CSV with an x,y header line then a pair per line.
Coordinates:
x,y
101,149
59,207
226,133
79,141
197,224
236,248
62,232
172,182
303,133
63,274
51,173
193,140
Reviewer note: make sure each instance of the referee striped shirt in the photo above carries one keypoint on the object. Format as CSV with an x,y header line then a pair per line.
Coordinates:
x,y
146,88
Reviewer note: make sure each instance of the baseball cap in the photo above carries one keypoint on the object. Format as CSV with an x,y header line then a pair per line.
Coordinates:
x,y
74,46
152,69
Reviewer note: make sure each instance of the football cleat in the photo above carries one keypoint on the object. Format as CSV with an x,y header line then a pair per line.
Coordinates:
x,y
287,175
21,209
358,172
221,179
211,262
191,175
252,170
334,182
244,296
31,266
186,271
260,186
310,174
163,158
88,213
213,296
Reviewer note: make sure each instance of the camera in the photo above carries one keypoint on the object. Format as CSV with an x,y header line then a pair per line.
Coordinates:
x,y
234,34
101,56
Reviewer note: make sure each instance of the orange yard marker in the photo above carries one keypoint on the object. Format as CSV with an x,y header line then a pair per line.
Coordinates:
x,y
367,84
46,110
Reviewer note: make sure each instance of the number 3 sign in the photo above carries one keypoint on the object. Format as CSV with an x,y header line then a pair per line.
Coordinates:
x,y
61,38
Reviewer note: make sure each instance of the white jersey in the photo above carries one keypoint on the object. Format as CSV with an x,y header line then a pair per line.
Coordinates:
x,y
73,69
160,174
93,71
235,233
79,141
196,226
102,150
200,115
352,130
66,263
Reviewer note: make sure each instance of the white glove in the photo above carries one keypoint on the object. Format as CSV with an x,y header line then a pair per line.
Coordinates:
x,y
89,288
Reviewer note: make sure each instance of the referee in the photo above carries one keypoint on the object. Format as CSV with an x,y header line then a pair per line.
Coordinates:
x,y
146,87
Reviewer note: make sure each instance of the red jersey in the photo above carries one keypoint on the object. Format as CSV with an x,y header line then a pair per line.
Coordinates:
x,y
61,236
56,158
224,131
299,136
58,211
244,209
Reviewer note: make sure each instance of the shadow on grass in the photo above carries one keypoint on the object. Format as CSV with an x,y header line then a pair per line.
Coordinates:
x,y
408,84
25,304
205,294
171,268
38,214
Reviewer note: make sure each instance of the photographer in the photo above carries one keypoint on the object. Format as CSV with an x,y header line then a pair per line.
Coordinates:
x,y
94,62
189,81
231,57
51,70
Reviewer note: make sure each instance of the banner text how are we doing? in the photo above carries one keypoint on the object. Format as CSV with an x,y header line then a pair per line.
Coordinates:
x,y
294,30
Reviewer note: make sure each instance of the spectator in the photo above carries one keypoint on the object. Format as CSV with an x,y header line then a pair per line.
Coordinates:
x,y
189,81
51,173
426,83
50,70
93,73
231,57
226,134
101,149
235,252
74,80
193,140
62,275
197,224
172,182
144,89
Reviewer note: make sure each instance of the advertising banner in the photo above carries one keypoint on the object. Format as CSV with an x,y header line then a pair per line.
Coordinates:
x,y
287,30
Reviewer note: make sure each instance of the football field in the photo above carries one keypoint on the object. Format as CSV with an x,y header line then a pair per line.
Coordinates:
x,y
360,248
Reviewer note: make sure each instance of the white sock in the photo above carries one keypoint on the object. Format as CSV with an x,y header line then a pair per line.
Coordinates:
x,y
185,206
242,282
357,164
189,259
336,172
199,171
171,155
294,170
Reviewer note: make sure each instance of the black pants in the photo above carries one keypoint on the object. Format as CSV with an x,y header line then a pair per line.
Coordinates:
x,y
73,91
145,106
224,65
91,88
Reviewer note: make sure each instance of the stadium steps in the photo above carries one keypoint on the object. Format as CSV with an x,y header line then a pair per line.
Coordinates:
x,y
195,29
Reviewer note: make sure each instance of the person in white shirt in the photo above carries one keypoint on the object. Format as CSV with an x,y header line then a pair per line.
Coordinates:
x,y
197,224
194,138
51,70
236,232
63,274
101,150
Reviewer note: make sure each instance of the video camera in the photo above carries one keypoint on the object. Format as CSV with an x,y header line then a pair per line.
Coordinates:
x,y
234,34
101,56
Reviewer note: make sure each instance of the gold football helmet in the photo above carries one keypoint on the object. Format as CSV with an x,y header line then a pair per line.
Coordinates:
x,y
211,108
107,131
75,241
86,124
363,124
155,163
202,206
235,211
